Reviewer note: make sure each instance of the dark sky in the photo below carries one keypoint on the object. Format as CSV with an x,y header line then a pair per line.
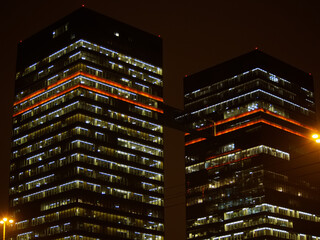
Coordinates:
x,y
196,35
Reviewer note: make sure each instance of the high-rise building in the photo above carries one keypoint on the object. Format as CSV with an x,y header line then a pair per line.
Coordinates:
x,y
87,153
252,169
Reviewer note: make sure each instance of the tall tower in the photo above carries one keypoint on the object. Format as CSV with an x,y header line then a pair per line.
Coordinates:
x,y
252,169
87,153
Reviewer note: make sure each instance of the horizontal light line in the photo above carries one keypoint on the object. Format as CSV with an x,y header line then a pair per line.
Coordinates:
x,y
194,141
92,77
261,121
245,94
94,90
122,87
239,116
290,120
45,89
234,161
223,154
46,100
121,98
255,111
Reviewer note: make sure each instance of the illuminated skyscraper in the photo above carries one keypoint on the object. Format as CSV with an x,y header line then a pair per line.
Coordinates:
x,y
252,169
87,153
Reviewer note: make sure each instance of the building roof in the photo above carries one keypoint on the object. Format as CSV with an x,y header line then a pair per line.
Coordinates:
x,y
95,27
246,62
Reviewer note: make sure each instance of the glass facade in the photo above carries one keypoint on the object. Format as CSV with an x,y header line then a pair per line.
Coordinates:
x,y
242,147
87,143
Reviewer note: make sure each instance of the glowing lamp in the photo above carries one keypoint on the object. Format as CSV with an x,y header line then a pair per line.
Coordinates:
x,y
3,221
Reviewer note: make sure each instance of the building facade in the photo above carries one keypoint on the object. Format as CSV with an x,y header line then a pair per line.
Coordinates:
x,y
87,151
251,165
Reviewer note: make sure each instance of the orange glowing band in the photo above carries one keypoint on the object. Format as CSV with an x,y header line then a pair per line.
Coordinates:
x,y
205,127
194,141
238,127
284,128
122,99
261,121
239,116
122,87
92,77
223,154
255,111
46,100
230,119
290,120
234,161
92,89
47,88
186,134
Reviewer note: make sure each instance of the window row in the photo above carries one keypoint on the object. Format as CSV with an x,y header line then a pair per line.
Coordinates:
x,y
79,184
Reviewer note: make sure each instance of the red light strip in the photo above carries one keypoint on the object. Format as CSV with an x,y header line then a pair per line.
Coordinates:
x,y
46,100
230,119
290,120
239,116
122,99
92,89
205,127
284,128
122,87
186,134
223,154
194,141
234,161
239,127
44,89
92,77
261,121
255,111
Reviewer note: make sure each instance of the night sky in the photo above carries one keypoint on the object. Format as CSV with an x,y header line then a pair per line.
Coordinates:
x,y
196,35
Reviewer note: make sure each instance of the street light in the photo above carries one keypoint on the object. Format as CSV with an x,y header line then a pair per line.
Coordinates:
x,y
4,221
316,137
